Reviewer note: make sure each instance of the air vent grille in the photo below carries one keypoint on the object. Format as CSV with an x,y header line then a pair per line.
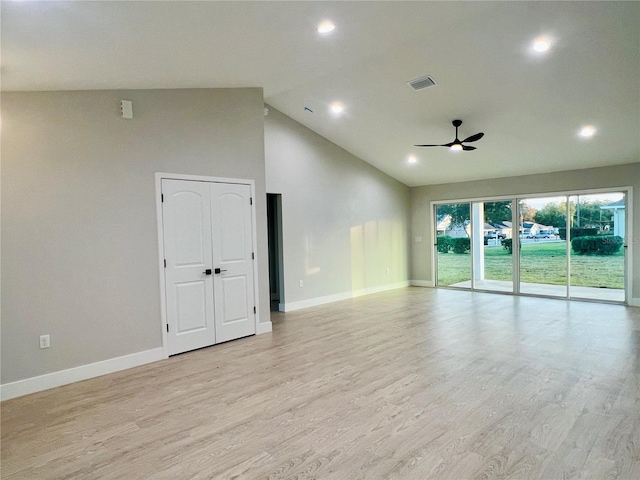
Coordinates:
x,y
422,83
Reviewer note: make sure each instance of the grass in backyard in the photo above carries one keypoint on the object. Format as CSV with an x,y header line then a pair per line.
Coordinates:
x,y
543,262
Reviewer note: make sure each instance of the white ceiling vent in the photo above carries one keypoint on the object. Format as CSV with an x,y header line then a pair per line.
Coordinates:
x,y
422,83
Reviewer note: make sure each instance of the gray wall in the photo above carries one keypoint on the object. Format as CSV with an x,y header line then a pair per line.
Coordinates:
x,y
79,238
592,178
344,222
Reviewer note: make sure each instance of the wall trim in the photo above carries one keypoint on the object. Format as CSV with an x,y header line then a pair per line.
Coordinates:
x,y
422,283
76,374
314,302
264,327
635,302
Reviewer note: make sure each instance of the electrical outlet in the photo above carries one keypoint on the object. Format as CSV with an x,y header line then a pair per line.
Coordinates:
x,y
301,284
45,341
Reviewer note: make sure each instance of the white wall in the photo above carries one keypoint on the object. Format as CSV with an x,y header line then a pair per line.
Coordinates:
x,y
79,240
591,178
344,222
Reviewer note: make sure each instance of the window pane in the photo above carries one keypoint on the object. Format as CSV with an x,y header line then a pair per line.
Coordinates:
x,y
597,254
543,247
493,267
453,226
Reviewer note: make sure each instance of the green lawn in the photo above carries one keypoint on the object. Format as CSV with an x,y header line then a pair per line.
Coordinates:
x,y
543,262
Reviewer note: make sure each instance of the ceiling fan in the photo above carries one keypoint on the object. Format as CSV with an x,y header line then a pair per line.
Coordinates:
x,y
457,144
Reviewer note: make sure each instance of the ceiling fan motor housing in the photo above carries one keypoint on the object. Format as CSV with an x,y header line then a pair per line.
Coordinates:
x,y
457,144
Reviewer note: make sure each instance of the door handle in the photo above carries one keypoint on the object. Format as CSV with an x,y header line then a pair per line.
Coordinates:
x,y
219,271
207,271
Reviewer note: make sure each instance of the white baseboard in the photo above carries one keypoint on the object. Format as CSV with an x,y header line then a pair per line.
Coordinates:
x,y
635,302
421,283
314,302
264,327
76,374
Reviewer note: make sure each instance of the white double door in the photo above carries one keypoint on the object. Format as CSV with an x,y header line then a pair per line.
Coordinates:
x,y
208,247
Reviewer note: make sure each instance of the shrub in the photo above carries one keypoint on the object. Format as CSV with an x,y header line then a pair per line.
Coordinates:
x,y
577,232
460,245
507,244
444,243
597,245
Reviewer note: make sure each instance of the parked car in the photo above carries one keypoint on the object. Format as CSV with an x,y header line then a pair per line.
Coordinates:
x,y
540,235
492,236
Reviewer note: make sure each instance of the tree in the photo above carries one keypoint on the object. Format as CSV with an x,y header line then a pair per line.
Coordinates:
x,y
527,212
588,214
552,214
496,212
459,212
585,214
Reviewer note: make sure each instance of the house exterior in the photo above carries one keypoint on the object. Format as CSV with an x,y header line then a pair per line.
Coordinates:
x,y
618,216
531,229
504,228
455,230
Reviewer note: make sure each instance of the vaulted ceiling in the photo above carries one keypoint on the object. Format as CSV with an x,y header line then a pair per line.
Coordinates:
x,y
530,106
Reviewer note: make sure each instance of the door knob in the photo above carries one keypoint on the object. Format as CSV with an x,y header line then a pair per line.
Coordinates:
x,y
208,271
219,270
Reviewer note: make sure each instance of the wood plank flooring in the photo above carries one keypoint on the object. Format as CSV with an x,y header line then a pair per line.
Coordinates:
x,y
408,384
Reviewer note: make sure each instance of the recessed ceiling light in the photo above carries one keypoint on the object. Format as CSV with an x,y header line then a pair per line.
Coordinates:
x,y
336,107
327,26
412,159
588,131
541,44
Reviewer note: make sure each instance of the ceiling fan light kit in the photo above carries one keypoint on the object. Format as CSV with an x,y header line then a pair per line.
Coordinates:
x,y
457,144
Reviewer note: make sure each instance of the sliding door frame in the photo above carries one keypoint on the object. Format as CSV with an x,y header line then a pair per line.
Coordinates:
x,y
516,198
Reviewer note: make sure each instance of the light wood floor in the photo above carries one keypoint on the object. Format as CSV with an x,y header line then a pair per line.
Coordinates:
x,y
413,383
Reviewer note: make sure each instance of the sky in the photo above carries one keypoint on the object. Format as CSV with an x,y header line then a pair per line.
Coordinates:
x,y
540,202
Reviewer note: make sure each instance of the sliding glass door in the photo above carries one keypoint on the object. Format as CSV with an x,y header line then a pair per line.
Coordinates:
x,y
597,247
473,245
565,246
543,251
492,241
453,245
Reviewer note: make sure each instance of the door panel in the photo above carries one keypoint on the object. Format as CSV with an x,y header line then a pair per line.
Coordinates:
x,y
189,216
191,306
186,216
234,292
543,253
598,274
453,244
231,208
492,234
232,239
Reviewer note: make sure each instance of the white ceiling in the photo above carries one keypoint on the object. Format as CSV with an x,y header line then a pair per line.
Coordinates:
x,y
529,106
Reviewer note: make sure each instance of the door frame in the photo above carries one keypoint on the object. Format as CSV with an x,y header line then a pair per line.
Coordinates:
x,y
627,190
159,176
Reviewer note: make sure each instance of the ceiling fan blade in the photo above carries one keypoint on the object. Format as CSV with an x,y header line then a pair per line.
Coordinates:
x,y
466,147
473,138
447,145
